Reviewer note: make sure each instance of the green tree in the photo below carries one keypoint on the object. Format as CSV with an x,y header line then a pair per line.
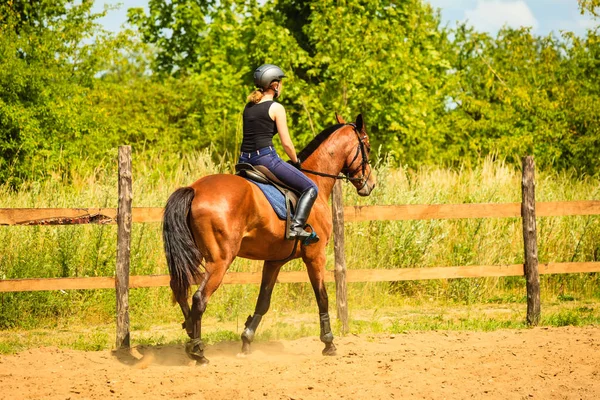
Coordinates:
x,y
179,81
34,15
34,114
521,94
385,59
590,6
48,68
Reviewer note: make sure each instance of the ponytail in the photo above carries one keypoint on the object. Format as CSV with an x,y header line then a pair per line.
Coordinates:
x,y
256,96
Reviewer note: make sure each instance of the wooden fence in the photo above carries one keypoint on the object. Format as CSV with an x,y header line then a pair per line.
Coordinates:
x,y
125,215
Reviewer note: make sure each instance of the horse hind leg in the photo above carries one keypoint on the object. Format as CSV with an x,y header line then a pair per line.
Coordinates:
x,y
212,280
269,278
185,309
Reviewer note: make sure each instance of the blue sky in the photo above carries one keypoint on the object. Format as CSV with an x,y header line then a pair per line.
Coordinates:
x,y
543,16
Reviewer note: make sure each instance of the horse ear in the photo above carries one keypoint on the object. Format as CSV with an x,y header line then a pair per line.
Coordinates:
x,y
359,123
339,118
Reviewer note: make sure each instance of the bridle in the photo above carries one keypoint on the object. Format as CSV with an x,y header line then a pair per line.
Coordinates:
x,y
361,150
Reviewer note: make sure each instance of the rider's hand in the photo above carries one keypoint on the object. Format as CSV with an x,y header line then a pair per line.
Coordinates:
x,y
296,164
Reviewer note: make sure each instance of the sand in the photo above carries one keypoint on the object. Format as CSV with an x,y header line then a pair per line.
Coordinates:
x,y
540,363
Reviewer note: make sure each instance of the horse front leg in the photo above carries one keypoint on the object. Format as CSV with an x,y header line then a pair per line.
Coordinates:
x,y
316,273
269,278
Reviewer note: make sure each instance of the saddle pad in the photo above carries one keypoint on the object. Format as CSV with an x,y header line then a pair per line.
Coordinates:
x,y
274,196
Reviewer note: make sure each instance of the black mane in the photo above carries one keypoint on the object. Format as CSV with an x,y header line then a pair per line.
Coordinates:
x,y
316,142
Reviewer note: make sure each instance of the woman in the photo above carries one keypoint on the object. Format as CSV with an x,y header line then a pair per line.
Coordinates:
x,y
263,118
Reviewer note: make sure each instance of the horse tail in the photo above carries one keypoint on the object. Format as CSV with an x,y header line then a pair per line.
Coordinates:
x,y
183,256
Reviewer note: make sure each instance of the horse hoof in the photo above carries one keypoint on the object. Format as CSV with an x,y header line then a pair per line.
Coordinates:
x,y
245,349
329,350
195,350
202,361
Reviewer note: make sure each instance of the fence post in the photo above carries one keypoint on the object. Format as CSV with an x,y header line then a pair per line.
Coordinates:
x,y
340,259
530,241
123,247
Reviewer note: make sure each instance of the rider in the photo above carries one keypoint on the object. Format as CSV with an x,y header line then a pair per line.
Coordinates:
x,y
263,118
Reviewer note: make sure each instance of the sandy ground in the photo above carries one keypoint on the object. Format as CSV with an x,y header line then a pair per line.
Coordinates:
x,y
542,363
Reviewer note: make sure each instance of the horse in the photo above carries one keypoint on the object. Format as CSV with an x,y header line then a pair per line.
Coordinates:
x,y
220,217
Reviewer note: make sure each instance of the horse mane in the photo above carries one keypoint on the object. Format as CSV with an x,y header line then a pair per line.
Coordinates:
x,y
316,142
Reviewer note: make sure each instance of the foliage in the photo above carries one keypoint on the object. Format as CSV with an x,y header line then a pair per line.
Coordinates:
x,y
47,71
398,84
337,60
521,94
590,6
176,83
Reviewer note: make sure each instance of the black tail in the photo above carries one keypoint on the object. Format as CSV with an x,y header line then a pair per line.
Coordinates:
x,y
183,256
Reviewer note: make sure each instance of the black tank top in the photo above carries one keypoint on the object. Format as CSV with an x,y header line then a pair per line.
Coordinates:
x,y
259,128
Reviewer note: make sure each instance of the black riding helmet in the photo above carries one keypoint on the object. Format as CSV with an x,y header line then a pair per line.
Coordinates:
x,y
266,74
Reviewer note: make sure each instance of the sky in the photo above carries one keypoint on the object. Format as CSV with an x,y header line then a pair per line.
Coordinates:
x,y
543,16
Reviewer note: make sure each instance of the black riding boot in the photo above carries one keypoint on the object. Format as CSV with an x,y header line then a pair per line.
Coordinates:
x,y
305,203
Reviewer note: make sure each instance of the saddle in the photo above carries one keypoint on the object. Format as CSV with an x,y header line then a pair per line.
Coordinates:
x,y
261,174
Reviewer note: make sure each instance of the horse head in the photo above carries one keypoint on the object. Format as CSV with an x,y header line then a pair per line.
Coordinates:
x,y
356,166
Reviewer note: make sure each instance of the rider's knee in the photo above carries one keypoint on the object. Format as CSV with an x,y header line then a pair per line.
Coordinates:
x,y
312,190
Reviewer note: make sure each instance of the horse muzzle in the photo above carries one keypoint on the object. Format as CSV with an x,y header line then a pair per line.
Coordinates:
x,y
366,189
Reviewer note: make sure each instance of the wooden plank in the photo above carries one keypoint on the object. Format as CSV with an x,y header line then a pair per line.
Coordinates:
x,y
340,257
353,275
567,208
472,271
73,216
530,242
458,211
412,274
35,285
57,216
50,216
142,281
123,247
148,214
431,211
568,268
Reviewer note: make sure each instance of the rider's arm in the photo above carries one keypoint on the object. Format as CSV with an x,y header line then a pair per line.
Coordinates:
x,y
277,112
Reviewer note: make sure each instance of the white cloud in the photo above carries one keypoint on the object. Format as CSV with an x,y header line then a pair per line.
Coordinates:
x,y
586,22
491,15
451,3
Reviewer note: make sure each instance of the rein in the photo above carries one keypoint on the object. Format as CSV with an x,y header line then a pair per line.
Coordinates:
x,y
360,149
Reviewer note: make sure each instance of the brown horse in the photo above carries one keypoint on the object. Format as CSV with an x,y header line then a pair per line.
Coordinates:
x,y
220,217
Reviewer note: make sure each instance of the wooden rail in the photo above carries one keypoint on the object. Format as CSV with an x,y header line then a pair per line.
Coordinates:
x,y
66,216
352,275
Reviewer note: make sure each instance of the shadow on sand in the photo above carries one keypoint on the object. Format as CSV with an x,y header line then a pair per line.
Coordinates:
x,y
174,355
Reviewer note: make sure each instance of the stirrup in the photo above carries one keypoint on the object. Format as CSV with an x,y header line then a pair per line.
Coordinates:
x,y
313,238
305,237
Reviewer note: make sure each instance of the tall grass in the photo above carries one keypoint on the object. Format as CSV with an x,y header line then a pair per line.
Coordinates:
x,y
69,251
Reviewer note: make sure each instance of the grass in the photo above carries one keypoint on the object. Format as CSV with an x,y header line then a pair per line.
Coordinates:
x,y
288,325
80,251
